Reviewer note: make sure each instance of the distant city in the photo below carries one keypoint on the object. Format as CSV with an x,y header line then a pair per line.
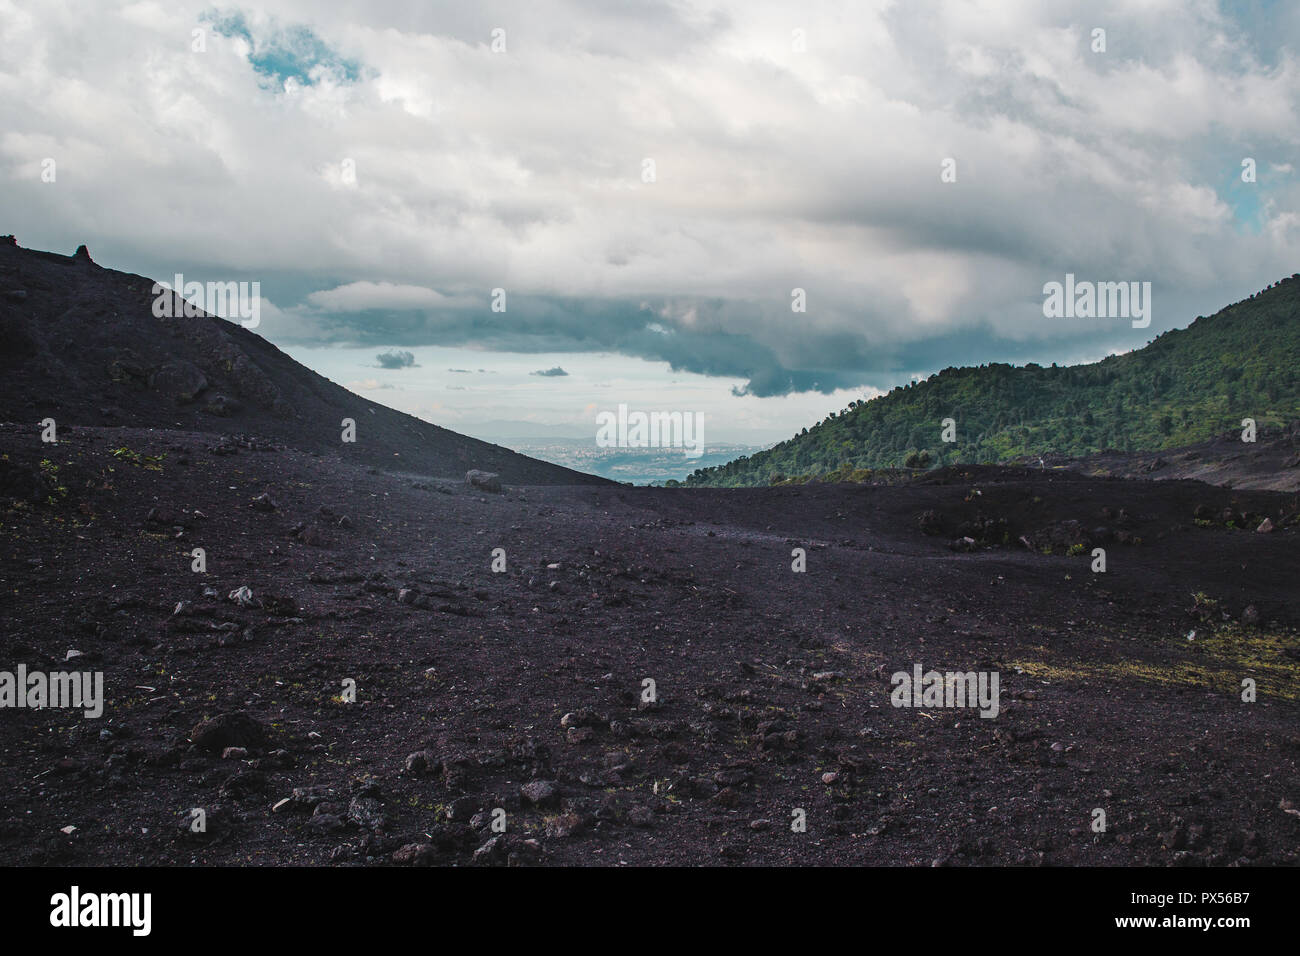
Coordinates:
x,y
639,466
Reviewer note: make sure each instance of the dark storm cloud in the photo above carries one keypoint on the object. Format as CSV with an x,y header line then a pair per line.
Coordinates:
x,y
825,361
396,359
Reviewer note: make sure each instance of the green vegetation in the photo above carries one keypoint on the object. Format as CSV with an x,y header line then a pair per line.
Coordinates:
x,y
147,462
1217,660
1185,386
50,472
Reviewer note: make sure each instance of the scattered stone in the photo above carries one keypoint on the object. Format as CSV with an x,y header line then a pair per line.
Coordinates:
x,y
483,480
243,785
462,809
565,825
310,798
493,851
415,854
276,760
228,730
366,812
264,502
422,762
540,793
160,516
326,823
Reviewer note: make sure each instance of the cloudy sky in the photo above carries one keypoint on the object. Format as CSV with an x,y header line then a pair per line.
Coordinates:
x,y
649,182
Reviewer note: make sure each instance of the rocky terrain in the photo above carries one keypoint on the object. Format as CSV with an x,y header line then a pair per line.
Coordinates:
x,y
522,691
1271,462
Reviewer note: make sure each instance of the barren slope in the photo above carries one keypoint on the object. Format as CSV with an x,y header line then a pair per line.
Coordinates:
x,y
1119,691
82,346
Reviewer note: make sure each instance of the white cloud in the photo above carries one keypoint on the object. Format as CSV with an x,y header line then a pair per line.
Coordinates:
x,y
359,296
775,168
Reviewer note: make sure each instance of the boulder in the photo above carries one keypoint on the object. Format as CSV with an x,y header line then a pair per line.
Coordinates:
x,y
540,793
180,381
228,730
483,480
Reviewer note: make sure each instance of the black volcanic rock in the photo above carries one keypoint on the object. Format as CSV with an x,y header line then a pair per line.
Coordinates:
x,y
85,338
483,480
228,730
180,381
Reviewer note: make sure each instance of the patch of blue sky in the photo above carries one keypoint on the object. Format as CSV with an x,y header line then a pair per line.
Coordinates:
x,y
1246,201
1265,24
286,53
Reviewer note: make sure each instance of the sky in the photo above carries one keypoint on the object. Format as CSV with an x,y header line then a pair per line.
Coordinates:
x,y
531,212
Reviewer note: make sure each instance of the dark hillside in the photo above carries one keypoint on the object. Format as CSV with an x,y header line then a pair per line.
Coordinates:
x,y
82,346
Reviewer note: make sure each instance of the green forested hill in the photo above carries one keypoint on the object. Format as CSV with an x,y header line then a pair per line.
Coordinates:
x,y
1188,384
